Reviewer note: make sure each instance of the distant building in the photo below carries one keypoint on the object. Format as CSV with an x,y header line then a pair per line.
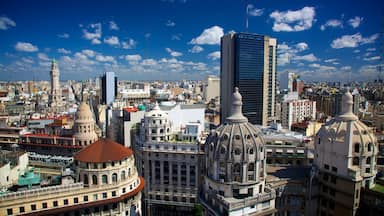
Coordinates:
x,y
55,102
346,153
212,88
234,181
12,163
108,88
248,61
294,111
106,183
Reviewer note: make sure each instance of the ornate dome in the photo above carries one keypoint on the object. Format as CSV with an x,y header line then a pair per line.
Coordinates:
x,y
84,112
84,127
156,112
235,150
346,138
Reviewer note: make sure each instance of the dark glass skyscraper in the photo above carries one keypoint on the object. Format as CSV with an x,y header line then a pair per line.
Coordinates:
x,y
108,88
248,61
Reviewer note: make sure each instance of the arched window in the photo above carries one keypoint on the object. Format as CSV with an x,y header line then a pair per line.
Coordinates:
x,y
357,147
251,151
222,150
355,161
122,175
104,179
251,167
368,160
114,178
129,172
85,180
236,172
237,151
94,179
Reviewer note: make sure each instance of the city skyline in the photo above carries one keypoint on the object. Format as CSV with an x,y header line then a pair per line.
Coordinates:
x,y
180,39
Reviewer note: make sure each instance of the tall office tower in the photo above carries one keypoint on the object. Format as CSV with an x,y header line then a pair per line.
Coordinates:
x,y
248,61
235,168
346,153
108,87
55,97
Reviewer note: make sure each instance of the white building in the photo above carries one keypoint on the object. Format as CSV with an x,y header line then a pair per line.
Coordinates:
x,y
294,111
11,165
212,88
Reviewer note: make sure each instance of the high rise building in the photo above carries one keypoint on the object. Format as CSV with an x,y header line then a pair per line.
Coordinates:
x,y
294,111
212,88
108,87
235,169
55,97
345,161
248,61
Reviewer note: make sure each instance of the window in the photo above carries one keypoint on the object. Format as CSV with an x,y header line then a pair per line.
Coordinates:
x,y
114,177
325,177
21,209
332,204
85,180
334,169
113,193
369,147
104,195
85,198
75,200
9,211
104,179
333,179
65,202
94,179
332,192
326,166
251,167
355,161
122,176
367,170
357,147
94,196
33,207
44,205
251,151
237,151
222,150
368,160
325,189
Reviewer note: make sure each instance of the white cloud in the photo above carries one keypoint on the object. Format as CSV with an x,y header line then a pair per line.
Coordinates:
x,y
372,49
372,58
252,11
283,59
27,60
346,68
132,58
96,41
26,47
196,49
214,55
290,21
352,41
95,34
170,23
149,62
209,36
112,40
355,22
88,52
43,56
176,37
334,23
129,44
309,57
6,23
102,58
302,46
64,35
113,26
173,53
331,60
64,51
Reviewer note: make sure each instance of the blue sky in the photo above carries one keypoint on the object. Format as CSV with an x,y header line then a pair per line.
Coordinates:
x,y
180,39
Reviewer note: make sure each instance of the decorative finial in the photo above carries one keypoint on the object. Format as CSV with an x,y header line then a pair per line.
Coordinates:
x,y
347,106
236,112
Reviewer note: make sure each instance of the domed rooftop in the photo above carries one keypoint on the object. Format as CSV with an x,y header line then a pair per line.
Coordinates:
x,y
235,142
84,112
103,150
156,112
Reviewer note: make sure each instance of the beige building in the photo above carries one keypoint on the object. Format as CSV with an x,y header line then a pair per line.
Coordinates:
x,y
212,88
169,161
294,111
234,181
55,100
345,158
107,183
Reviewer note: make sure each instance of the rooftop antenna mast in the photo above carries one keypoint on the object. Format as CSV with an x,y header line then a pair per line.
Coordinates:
x,y
246,16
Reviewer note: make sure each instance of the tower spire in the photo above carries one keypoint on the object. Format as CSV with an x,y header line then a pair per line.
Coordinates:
x,y
236,111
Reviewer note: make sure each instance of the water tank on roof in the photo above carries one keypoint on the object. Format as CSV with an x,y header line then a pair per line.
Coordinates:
x,y
141,107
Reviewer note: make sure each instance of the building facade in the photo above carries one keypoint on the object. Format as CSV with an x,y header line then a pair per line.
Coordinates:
x,y
169,161
345,161
294,111
212,88
235,169
248,61
55,98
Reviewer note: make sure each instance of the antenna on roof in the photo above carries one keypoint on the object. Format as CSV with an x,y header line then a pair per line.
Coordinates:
x,y
246,16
